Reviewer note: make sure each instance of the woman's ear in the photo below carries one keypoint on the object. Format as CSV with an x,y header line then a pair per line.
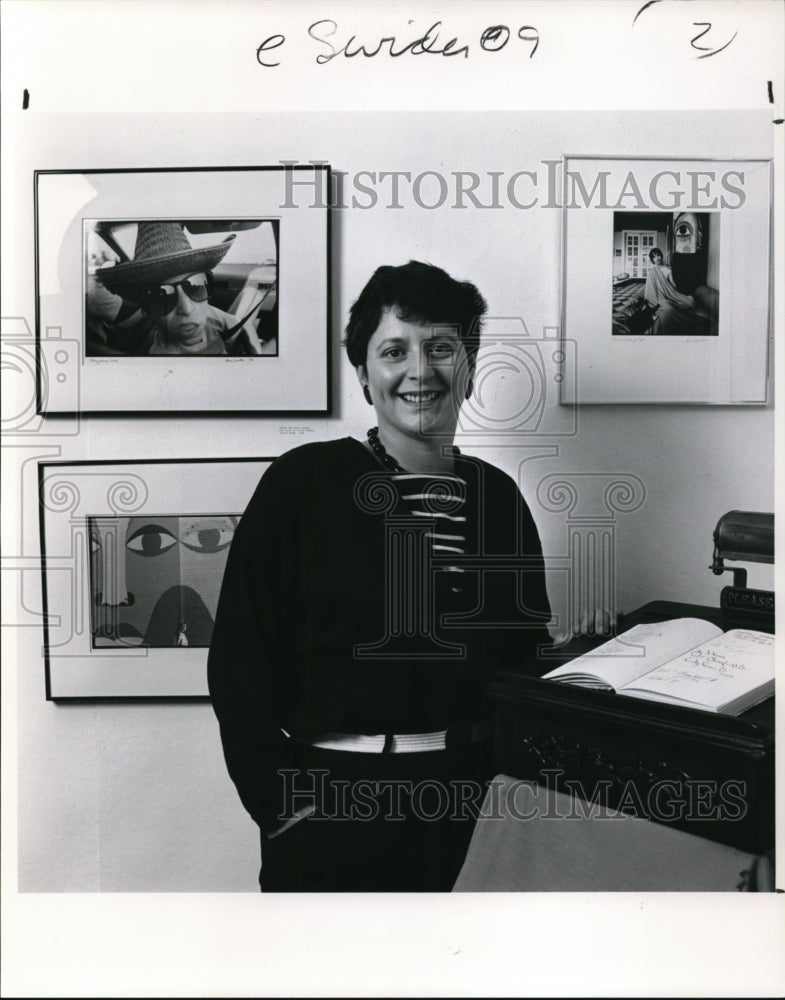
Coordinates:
x,y
472,365
362,375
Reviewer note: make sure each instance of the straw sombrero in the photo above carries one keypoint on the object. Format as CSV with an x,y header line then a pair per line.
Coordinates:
x,y
162,251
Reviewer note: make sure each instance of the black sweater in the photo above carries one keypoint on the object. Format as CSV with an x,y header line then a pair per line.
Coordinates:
x,y
309,633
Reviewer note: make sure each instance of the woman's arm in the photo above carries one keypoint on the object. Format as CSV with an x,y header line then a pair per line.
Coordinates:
x,y
517,601
534,593
246,661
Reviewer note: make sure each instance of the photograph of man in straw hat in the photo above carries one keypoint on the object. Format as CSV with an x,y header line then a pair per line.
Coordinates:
x,y
165,297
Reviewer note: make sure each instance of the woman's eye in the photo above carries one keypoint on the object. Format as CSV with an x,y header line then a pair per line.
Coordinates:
x,y
683,230
394,353
151,540
208,536
443,350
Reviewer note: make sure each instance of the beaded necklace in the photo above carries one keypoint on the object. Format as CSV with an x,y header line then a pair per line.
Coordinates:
x,y
387,460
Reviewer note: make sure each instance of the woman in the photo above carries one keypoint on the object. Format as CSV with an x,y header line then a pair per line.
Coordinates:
x,y
372,589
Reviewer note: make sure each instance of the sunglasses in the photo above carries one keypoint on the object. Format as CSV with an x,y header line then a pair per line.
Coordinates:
x,y
162,299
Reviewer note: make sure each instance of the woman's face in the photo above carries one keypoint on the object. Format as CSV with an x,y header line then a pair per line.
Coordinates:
x,y
417,377
656,257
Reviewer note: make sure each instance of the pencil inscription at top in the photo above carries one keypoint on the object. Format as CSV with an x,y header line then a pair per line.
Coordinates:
x,y
712,36
436,40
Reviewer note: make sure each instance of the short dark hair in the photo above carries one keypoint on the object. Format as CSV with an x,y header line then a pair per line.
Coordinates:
x,y
419,293
653,251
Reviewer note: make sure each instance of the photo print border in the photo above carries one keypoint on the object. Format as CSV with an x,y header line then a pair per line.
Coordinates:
x,y
293,377
725,361
72,496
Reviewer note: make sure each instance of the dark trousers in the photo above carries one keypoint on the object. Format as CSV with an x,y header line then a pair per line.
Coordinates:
x,y
383,822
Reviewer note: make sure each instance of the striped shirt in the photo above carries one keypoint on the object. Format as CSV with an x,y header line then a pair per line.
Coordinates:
x,y
441,498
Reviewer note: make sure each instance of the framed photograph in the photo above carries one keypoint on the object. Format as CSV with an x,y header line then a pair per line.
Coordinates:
x,y
666,294
133,555
178,291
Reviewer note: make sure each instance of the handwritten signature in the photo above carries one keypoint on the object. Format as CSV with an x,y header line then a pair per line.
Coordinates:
x,y
706,38
325,33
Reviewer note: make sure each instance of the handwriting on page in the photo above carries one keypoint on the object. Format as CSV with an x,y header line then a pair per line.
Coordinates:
x,y
435,40
632,643
693,29
722,659
712,664
748,642
698,29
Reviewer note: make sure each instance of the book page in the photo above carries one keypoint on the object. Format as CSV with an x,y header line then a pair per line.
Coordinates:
x,y
635,652
713,674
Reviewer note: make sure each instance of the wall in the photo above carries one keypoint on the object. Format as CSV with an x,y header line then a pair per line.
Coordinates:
x,y
713,255
134,797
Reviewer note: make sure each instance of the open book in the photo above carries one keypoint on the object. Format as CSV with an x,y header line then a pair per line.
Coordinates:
x,y
684,661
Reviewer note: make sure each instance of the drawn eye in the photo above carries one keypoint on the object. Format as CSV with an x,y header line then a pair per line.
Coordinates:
x,y
684,229
151,540
95,542
209,536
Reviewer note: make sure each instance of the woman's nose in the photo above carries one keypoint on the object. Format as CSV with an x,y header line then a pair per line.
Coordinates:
x,y
420,364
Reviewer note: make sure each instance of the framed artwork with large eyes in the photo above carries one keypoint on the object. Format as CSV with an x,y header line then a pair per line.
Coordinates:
x,y
666,290
133,555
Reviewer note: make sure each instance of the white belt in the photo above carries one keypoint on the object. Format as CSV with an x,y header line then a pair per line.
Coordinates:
x,y
403,743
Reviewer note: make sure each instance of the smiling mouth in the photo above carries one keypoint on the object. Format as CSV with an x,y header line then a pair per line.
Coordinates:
x,y
420,398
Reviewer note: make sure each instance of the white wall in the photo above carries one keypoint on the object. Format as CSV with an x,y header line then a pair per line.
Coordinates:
x,y
713,256
134,797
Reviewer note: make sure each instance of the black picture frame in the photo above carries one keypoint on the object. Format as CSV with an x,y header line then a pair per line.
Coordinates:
x,y
103,602
286,373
